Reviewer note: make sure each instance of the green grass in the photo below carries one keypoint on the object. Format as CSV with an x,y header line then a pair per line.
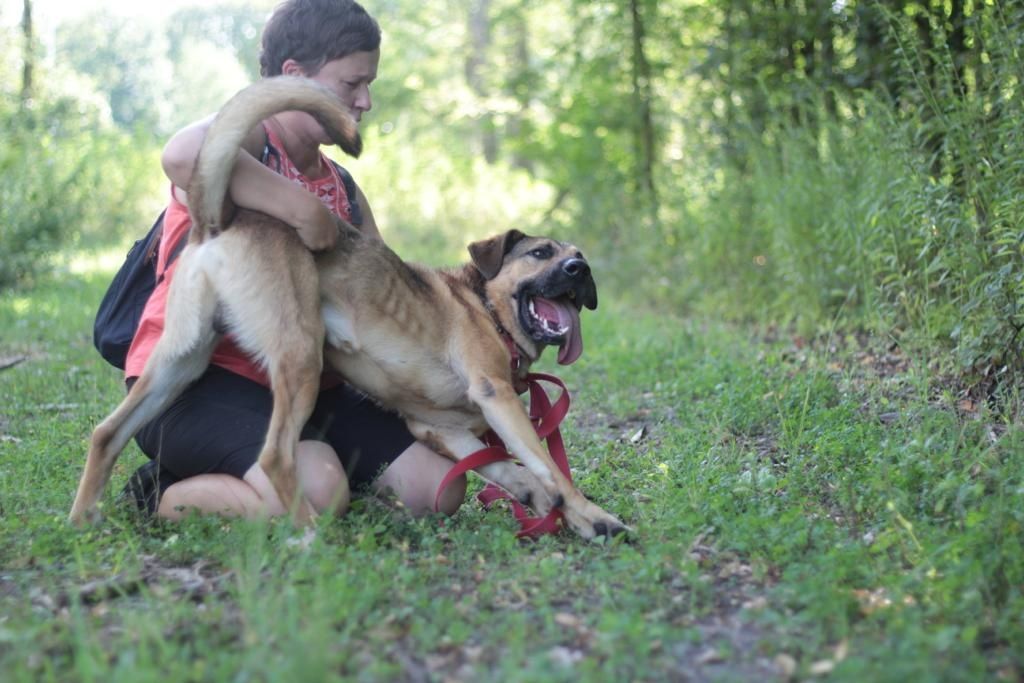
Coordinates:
x,y
827,504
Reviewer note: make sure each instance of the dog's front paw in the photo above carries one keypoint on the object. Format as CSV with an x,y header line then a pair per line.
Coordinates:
x,y
590,521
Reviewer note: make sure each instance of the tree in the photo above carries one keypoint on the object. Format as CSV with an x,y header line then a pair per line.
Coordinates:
x,y
477,58
642,103
28,51
233,27
126,61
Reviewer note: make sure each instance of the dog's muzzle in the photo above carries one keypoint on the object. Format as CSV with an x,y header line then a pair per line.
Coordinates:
x,y
549,307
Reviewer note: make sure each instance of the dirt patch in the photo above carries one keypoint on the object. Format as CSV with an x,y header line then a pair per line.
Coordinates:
x,y
193,582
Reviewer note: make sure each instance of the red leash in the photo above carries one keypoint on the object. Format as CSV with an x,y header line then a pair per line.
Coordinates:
x,y
546,417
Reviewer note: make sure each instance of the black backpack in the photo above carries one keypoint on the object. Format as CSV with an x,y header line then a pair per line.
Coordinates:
x,y
121,308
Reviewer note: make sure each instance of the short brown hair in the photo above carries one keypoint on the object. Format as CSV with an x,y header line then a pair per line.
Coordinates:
x,y
314,32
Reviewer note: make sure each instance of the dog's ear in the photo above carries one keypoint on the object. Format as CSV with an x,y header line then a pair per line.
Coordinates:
x,y
589,293
489,254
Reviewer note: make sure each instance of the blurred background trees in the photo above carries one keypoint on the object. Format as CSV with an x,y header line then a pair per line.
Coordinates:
x,y
782,160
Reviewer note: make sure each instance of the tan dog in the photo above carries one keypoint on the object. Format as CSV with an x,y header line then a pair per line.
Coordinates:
x,y
430,344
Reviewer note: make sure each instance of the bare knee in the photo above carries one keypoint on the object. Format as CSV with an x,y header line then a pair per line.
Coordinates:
x,y
321,480
452,497
415,477
219,494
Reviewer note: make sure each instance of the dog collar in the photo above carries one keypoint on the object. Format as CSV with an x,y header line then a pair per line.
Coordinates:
x,y
516,353
513,349
517,367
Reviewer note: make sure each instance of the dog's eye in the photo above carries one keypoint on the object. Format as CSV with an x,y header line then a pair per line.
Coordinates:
x,y
542,253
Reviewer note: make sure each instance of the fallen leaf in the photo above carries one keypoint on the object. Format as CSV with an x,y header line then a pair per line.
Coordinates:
x,y
786,665
820,668
708,656
59,406
967,405
734,568
871,601
564,656
304,541
760,602
566,620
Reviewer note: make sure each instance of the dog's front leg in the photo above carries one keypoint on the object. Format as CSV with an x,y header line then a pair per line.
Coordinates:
x,y
457,444
507,416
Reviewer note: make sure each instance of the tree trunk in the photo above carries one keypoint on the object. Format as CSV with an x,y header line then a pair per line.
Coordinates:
x,y
480,40
826,65
28,59
642,107
521,84
935,141
958,49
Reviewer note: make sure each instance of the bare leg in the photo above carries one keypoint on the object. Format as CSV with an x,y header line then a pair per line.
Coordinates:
x,y
414,477
321,479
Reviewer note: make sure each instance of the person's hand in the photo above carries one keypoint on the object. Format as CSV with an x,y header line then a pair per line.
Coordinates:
x,y
319,232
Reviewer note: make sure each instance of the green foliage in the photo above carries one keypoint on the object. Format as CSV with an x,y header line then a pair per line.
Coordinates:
x,y
830,165
902,211
235,25
65,179
124,60
776,512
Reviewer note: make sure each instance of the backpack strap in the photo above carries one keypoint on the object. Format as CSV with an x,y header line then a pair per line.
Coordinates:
x,y
175,251
153,238
355,216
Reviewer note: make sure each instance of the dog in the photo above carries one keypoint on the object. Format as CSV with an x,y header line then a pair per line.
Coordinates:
x,y
435,345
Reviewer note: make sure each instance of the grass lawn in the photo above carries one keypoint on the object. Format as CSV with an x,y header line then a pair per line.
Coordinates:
x,y
826,508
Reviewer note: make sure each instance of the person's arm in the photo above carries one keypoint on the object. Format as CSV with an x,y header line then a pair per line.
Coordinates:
x,y
253,185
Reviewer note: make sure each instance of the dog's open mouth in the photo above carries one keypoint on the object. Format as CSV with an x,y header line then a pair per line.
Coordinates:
x,y
554,322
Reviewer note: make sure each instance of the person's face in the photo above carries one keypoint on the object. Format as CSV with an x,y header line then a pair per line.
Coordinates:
x,y
350,78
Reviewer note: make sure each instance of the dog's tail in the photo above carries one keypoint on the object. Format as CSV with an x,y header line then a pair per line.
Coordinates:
x,y
209,202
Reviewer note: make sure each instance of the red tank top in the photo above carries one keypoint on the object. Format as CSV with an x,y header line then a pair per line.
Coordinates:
x,y
331,191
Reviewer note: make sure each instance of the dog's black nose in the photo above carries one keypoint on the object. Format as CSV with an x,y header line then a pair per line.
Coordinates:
x,y
575,267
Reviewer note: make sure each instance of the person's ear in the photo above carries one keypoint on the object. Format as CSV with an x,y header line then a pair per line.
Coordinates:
x,y
292,68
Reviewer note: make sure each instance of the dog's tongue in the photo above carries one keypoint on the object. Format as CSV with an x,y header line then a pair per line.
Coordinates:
x,y
564,315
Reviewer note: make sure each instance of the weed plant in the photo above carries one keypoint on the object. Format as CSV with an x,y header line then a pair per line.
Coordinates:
x,y
903,213
797,508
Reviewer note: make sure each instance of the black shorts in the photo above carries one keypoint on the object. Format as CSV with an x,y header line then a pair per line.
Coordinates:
x,y
220,421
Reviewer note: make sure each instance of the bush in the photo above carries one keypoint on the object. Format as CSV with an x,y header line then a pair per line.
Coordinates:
x,y
903,215
66,177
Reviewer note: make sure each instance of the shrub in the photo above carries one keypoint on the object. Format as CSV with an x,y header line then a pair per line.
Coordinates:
x,y
903,215
66,176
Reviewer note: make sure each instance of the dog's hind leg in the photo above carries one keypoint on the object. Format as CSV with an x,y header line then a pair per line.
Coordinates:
x,y
178,359
295,387
276,317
